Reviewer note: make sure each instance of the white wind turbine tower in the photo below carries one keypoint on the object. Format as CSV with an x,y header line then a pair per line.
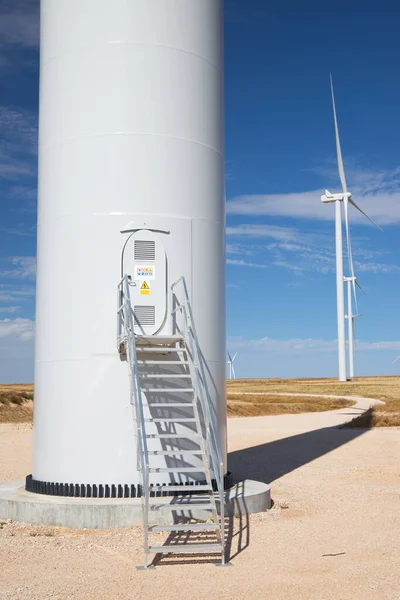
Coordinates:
x,y
231,366
350,322
346,198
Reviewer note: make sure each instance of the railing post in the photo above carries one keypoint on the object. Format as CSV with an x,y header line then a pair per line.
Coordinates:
x,y
127,321
214,457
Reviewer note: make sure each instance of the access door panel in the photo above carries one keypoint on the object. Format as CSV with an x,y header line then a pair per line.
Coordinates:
x,y
146,257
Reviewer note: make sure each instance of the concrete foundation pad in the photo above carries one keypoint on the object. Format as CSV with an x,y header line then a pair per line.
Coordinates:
x,y
245,497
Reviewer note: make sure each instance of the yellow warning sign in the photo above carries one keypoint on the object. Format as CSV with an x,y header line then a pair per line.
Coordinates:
x,y
145,289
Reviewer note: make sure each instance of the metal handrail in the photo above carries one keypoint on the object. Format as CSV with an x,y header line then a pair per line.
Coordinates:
x,y
125,331
213,450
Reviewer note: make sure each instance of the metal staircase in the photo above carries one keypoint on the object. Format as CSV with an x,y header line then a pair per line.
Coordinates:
x,y
177,436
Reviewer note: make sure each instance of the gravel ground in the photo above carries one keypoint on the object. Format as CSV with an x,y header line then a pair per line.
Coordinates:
x,y
333,533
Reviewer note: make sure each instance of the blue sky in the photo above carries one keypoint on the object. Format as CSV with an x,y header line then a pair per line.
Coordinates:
x,y
280,154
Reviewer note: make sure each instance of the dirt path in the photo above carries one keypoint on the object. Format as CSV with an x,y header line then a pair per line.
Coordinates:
x,y
310,420
333,533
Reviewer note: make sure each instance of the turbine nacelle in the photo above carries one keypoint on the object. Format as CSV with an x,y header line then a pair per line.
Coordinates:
x,y
329,197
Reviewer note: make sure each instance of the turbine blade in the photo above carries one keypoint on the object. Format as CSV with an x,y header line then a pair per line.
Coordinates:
x,y
233,373
359,286
234,356
230,357
395,360
338,148
365,214
353,285
349,251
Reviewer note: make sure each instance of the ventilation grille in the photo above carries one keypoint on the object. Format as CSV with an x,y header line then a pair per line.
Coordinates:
x,y
145,250
145,315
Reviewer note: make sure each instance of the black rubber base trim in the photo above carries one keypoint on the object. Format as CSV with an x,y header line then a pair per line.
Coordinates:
x,y
104,490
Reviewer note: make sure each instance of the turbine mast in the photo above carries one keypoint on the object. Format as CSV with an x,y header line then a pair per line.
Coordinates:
x,y
350,327
340,291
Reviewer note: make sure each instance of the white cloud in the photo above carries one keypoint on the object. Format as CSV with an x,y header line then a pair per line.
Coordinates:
x,y
24,268
261,231
371,267
244,263
18,144
16,350
304,346
9,309
17,329
376,192
290,266
18,127
300,251
239,249
15,293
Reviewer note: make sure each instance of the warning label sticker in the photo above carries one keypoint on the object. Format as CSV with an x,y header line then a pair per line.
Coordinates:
x,y
145,289
145,272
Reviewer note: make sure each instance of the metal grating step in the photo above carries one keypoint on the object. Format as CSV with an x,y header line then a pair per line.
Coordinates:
x,y
174,453
165,376
185,527
174,420
172,435
159,339
171,405
186,548
166,363
169,390
158,349
182,506
175,487
176,470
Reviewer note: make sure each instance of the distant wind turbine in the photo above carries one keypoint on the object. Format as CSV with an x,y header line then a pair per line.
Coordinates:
x,y
346,198
231,367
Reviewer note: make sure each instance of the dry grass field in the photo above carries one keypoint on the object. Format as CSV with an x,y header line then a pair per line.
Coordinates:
x,y
379,388
249,405
16,403
256,397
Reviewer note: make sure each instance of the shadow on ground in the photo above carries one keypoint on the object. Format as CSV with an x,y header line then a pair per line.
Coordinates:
x,y
265,462
270,461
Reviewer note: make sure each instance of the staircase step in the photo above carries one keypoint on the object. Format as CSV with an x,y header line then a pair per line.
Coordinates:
x,y
173,453
171,405
182,505
172,435
169,390
174,420
149,376
185,527
186,548
175,487
158,339
158,349
163,362
177,470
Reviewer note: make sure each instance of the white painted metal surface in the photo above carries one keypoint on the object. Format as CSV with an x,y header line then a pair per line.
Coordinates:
x,y
131,137
350,329
340,292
